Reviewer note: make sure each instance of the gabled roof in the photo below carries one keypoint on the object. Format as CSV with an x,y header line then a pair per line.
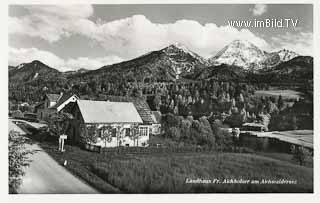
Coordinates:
x,y
63,98
53,97
108,112
140,104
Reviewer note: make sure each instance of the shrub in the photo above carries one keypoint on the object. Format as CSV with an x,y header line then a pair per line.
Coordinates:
x,y
223,139
299,154
17,159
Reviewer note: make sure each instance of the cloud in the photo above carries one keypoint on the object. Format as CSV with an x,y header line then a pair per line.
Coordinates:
x,y
259,9
25,55
137,35
301,42
49,22
128,37
90,63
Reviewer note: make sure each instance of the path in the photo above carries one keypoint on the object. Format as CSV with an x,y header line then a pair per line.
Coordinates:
x,y
45,176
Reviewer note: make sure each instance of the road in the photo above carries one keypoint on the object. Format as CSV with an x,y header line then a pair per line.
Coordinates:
x,y
45,176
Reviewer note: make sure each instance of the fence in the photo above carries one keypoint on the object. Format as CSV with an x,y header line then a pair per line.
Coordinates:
x,y
147,150
164,150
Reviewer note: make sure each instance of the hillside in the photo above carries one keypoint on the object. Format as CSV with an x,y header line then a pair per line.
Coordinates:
x,y
163,65
223,72
296,70
172,63
27,72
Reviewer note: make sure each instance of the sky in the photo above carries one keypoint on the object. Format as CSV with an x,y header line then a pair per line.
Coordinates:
x,y
69,37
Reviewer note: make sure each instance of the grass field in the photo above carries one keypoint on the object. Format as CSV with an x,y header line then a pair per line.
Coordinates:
x,y
167,172
286,94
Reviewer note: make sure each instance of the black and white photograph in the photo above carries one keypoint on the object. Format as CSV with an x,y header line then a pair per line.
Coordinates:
x,y
160,98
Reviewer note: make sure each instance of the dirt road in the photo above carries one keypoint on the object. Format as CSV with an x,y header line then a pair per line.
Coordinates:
x,y
45,176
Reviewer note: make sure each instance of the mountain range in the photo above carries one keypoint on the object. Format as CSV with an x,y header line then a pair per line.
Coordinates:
x,y
244,54
235,61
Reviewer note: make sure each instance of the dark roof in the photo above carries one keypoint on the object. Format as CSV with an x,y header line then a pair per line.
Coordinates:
x,y
156,116
140,104
62,99
53,97
39,104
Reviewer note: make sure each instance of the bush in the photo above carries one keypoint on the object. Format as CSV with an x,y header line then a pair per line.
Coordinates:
x,y
17,159
299,154
223,139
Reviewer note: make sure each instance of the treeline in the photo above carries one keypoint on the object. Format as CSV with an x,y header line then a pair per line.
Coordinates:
x,y
188,131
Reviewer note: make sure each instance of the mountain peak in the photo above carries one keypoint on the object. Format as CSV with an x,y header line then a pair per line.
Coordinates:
x,y
182,54
36,61
178,46
286,55
242,44
240,53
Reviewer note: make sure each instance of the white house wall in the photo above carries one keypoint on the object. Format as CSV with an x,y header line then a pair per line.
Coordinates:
x,y
123,140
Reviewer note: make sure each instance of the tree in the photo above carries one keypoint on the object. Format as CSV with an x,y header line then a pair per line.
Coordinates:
x,y
206,132
294,122
185,128
195,131
174,133
280,103
157,101
17,159
90,135
59,123
170,120
299,154
223,139
106,135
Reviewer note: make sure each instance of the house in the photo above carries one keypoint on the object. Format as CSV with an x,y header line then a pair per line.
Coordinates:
x,y
150,119
254,127
107,124
53,103
64,100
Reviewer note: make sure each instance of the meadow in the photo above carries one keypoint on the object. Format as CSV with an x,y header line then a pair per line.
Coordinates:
x,y
167,172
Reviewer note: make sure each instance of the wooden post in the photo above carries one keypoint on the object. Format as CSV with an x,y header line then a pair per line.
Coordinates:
x,y
61,142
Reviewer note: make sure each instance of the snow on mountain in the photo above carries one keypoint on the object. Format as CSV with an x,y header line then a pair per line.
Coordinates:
x,y
286,55
32,71
35,75
169,63
21,65
183,59
240,53
245,54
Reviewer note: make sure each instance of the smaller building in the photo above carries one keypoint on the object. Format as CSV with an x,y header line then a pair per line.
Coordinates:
x,y
254,127
53,103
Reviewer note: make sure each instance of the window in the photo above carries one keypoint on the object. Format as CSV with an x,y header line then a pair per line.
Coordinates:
x,y
114,132
128,130
143,131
